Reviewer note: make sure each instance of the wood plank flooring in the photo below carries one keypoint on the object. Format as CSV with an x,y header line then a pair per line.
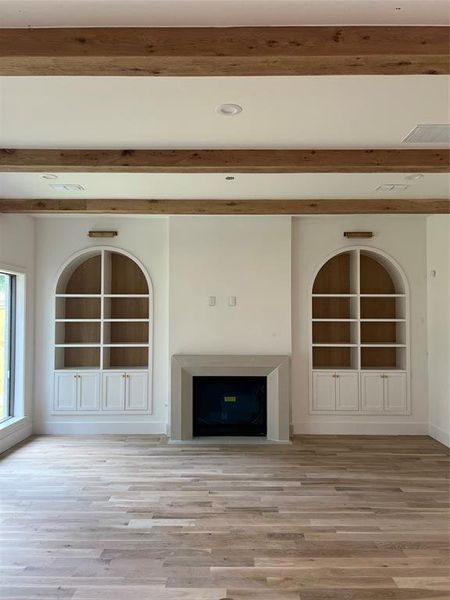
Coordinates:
x,y
133,518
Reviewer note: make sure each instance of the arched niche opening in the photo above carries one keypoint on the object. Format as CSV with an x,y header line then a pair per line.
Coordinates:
x,y
102,312
359,300
82,275
378,275
123,275
336,276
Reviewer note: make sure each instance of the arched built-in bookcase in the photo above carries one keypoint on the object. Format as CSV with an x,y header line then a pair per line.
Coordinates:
x,y
103,332
360,334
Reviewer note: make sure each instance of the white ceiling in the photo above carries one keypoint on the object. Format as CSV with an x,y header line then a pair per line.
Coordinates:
x,y
279,112
184,13
176,112
215,186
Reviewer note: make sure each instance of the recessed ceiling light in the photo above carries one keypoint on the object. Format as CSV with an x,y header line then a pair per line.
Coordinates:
x,y
229,110
49,176
414,177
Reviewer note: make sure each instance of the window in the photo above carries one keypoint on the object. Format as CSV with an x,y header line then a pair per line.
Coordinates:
x,y
7,343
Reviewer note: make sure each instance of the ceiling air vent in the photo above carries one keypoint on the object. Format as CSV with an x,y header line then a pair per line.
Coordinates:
x,y
67,187
429,134
392,187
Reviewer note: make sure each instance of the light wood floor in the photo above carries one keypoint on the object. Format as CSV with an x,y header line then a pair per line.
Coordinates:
x,y
132,518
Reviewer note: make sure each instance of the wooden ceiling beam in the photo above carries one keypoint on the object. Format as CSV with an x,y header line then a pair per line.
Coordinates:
x,y
243,51
227,207
224,161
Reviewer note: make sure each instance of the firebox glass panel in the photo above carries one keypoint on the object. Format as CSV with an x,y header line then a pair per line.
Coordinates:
x,y
235,406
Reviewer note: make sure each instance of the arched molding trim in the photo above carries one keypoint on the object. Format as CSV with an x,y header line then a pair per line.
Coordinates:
x,y
389,260
78,257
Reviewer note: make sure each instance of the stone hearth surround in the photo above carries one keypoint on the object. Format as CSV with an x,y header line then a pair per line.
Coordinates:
x,y
186,366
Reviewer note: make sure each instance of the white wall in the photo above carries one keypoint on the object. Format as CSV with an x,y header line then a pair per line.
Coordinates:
x,y
17,250
246,257
404,239
438,266
192,258
57,238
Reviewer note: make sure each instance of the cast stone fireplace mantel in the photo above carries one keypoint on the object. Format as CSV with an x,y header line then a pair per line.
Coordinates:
x,y
185,366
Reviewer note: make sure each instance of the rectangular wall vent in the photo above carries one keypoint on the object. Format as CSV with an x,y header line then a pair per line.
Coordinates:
x,y
429,134
67,187
392,188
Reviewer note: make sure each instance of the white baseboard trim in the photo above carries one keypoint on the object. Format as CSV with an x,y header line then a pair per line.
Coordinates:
x,y
8,439
316,428
96,428
439,434
361,428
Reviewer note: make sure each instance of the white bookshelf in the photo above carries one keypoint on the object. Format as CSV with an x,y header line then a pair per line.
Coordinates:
x,y
103,332
359,324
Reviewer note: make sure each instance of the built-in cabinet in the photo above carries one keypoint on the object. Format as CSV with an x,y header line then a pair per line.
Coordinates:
x,y
102,334
335,391
125,391
383,392
359,335
77,391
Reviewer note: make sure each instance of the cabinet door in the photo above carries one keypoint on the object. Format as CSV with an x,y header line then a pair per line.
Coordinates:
x,y
137,391
372,392
88,391
324,390
347,391
113,391
65,391
395,392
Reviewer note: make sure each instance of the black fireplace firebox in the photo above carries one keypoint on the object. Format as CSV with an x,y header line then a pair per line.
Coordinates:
x,y
234,406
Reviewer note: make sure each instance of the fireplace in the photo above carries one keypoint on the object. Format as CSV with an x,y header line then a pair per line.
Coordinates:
x,y
274,369
229,405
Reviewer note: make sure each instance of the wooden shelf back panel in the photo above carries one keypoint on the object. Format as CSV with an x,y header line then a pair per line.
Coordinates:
x,y
331,333
82,357
81,333
378,308
128,333
379,332
127,308
381,358
128,357
86,278
374,278
80,308
332,308
126,276
332,358
334,277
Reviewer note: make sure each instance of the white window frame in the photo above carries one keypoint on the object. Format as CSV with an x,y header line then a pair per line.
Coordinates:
x,y
19,361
